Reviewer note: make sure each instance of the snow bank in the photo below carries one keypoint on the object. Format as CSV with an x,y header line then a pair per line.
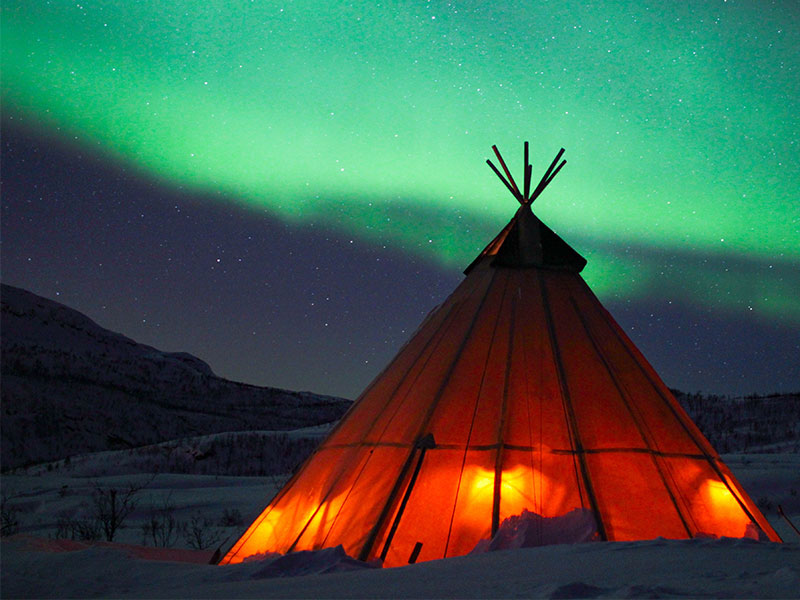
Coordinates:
x,y
529,530
312,562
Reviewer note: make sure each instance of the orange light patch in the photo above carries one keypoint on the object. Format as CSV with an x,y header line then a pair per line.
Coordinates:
x,y
727,512
518,489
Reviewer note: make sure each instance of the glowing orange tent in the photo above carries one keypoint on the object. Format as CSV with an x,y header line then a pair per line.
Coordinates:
x,y
519,392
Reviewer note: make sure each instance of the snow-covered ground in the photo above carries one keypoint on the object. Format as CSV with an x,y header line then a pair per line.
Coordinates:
x,y
653,569
35,564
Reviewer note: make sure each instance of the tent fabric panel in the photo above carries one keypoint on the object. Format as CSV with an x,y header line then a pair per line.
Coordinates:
x,y
418,395
535,405
472,514
382,391
283,520
314,532
667,427
469,408
427,515
361,420
351,513
538,481
495,403
715,508
601,415
646,368
632,499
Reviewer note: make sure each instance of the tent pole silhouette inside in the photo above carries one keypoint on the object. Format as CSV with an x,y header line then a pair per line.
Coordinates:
x,y
519,393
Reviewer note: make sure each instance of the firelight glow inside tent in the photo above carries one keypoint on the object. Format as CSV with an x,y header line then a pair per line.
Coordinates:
x,y
520,392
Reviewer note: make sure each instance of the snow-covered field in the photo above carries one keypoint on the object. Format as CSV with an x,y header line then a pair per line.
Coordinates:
x,y
654,569
37,564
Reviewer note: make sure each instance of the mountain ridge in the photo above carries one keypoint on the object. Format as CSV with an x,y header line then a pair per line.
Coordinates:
x,y
71,386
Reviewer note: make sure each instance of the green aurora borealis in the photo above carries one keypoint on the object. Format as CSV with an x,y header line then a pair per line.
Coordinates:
x,y
680,122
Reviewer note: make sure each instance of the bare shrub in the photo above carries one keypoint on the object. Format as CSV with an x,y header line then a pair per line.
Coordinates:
x,y
9,521
200,532
161,527
77,529
231,518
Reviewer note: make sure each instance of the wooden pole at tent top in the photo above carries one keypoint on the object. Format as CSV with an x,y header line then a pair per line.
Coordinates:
x,y
526,196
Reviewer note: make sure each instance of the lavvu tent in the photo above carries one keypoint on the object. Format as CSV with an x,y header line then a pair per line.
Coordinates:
x,y
519,393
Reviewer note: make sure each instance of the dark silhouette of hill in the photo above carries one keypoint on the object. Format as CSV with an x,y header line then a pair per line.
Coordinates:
x,y
70,386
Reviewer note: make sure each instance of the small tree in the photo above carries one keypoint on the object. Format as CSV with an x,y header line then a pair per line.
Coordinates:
x,y
111,506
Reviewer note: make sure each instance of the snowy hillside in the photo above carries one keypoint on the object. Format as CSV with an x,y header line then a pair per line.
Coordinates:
x,y
69,387
237,453
754,423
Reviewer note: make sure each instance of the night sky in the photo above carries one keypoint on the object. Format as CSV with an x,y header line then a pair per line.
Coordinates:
x,y
285,189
